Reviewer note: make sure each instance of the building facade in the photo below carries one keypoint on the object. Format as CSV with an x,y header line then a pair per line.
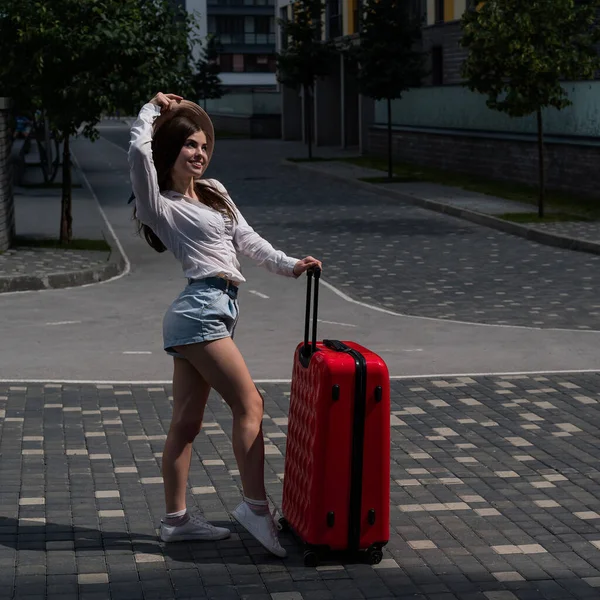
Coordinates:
x,y
246,31
336,104
442,124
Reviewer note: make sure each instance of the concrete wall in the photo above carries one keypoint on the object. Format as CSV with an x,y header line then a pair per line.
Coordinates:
x,y
350,106
291,114
569,166
256,126
328,107
7,214
456,107
446,35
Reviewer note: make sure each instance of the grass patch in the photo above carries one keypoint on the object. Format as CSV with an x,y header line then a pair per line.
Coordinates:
x,y
567,203
313,159
548,218
76,244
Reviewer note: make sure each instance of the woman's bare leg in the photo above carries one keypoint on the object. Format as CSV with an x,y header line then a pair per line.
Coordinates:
x,y
190,393
222,367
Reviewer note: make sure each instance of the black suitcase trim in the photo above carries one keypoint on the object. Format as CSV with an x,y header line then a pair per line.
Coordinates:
x,y
358,440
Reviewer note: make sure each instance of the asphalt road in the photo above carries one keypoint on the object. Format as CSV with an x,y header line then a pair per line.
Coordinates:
x,y
430,293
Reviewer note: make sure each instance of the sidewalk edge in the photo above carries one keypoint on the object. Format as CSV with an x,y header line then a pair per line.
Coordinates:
x,y
114,267
530,233
22,283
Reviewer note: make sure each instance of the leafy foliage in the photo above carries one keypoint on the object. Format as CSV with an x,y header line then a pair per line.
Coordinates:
x,y
520,51
77,59
306,56
388,56
205,81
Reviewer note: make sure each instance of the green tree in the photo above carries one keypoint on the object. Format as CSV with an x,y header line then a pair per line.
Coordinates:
x,y
205,81
78,59
306,55
388,56
519,52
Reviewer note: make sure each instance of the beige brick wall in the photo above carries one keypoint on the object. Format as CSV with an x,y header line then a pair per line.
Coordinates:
x,y
7,215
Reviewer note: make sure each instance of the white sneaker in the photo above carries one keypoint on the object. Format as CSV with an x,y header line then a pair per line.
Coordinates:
x,y
262,527
196,528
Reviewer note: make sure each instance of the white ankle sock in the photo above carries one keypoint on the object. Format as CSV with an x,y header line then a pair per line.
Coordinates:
x,y
258,507
177,518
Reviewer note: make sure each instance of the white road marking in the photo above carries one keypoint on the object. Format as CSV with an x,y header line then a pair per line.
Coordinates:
x,y
347,298
64,323
330,287
168,382
127,268
259,294
335,323
137,352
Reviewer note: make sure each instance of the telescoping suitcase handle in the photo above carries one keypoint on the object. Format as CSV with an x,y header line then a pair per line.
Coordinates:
x,y
307,349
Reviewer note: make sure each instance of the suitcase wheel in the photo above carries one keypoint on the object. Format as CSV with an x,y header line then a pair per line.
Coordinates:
x,y
311,558
283,524
374,555
312,555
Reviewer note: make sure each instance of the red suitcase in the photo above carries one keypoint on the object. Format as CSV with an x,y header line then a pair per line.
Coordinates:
x,y
336,487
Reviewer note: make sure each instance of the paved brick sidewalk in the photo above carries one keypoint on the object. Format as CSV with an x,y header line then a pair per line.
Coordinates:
x,y
37,216
46,261
461,198
495,496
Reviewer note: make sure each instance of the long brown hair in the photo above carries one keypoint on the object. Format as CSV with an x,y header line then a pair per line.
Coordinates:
x,y
166,146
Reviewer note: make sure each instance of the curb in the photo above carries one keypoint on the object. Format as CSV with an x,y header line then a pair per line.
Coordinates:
x,y
530,233
113,268
23,283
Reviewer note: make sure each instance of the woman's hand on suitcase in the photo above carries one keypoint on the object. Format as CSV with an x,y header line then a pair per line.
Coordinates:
x,y
306,263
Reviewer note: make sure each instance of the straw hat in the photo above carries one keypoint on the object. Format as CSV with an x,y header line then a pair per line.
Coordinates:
x,y
195,114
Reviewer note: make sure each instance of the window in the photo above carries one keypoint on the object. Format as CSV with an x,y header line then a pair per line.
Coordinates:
x,y
226,24
259,30
437,65
439,11
263,24
259,63
226,62
334,18
238,63
229,30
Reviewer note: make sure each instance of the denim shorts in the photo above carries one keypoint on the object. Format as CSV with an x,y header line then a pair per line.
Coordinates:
x,y
201,313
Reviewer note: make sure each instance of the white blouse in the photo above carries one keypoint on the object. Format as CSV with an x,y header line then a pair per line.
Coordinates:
x,y
203,240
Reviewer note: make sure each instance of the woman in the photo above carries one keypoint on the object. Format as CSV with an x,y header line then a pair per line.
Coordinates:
x,y
172,142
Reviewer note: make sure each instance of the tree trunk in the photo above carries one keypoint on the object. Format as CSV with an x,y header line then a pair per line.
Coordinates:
x,y
66,216
389,115
308,119
542,181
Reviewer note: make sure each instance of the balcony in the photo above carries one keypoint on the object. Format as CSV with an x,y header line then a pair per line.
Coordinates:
x,y
242,39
